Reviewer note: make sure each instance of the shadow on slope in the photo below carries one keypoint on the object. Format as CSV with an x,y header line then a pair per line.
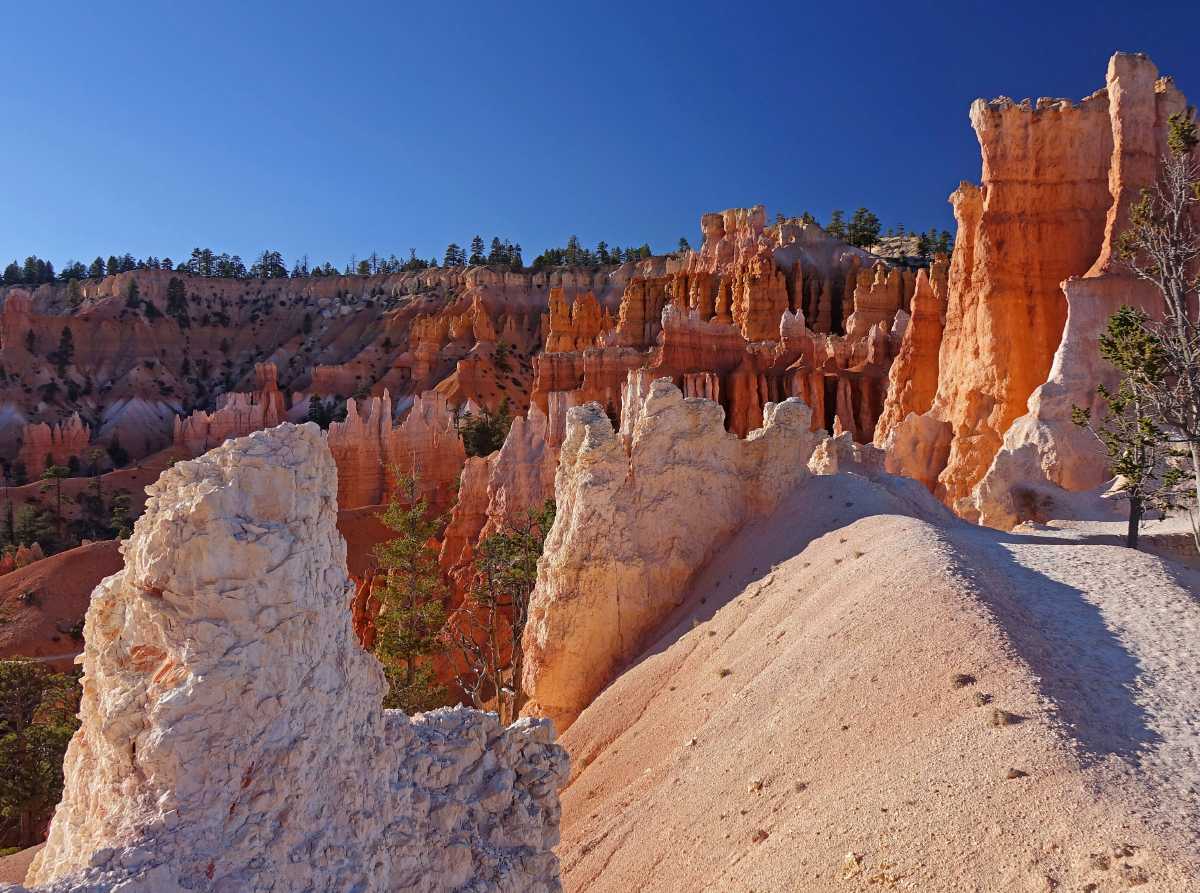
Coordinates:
x,y
1084,667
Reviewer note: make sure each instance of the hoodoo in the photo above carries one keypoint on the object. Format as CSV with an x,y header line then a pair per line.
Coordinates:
x,y
232,737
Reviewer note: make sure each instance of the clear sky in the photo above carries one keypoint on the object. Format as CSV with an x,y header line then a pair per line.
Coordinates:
x,y
351,127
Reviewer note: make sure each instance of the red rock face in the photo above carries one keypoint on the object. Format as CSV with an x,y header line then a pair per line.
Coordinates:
x,y
369,449
1057,181
1043,453
237,415
913,378
61,443
731,326
1039,219
574,327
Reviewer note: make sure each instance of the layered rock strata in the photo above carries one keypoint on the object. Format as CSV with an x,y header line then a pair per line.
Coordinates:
x,y
62,443
1057,181
369,449
231,732
1043,453
634,523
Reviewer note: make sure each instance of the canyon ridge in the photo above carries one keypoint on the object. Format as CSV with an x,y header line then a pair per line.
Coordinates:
x,y
828,587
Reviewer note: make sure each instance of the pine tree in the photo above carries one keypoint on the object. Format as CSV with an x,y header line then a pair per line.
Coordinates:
x,y
1160,247
863,231
477,252
409,626
52,479
33,526
74,296
120,515
317,411
176,297
837,226
133,298
37,720
66,351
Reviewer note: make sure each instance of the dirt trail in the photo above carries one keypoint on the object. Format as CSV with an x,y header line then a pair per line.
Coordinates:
x,y
796,728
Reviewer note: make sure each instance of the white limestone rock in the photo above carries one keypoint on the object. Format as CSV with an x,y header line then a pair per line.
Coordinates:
x,y
634,522
232,738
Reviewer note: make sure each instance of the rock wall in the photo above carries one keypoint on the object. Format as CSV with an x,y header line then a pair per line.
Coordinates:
x,y
1043,453
231,732
1038,220
237,414
62,442
367,448
634,524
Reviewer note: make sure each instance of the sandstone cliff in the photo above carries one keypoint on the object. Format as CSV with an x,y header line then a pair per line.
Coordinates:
x,y
231,733
368,448
1057,178
632,526
1043,453
62,442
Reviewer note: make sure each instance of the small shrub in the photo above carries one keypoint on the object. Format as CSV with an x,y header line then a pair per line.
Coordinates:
x,y
999,717
979,699
961,680
858,554
724,671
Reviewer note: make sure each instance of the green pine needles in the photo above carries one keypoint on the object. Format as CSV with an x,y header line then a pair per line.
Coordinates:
x,y
413,596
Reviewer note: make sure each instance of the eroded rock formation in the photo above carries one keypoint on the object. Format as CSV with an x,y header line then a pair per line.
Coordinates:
x,y
368,449
1057,180
495,490
1043,453
231,732
237,414
633,524
732,323
62,443
913,378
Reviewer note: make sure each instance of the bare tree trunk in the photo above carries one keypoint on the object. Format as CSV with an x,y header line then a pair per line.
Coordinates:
x,y
1195,518
27,829
1135,520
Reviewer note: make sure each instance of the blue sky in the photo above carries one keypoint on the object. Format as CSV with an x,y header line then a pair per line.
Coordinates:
x,y
332,129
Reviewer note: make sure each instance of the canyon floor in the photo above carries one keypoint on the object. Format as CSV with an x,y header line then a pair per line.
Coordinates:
x,y
798,725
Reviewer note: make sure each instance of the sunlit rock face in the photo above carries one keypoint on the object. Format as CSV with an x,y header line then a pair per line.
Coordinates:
x,y
1032,284
634,523
232,736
